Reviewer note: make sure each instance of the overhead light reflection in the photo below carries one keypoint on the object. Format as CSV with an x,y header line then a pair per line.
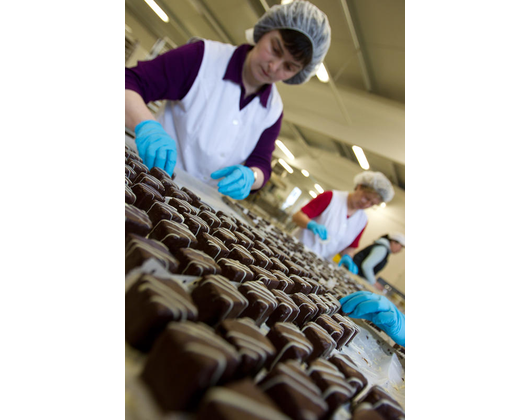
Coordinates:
x,y
156,8
319,188
361,158
313,194
285,165
322,73
285,149
305,173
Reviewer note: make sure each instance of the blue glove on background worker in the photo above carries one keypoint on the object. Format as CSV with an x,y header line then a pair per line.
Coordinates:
x,y
317,229
237,183
347,261
155,146
377,309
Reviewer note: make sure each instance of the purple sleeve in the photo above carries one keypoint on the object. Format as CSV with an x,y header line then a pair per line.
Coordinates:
x,y
168,76
261,156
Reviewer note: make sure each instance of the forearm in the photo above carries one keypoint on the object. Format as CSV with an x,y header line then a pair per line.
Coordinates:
x,y
368,274
301,219
261,156
348,251
375,257
258,183
136,110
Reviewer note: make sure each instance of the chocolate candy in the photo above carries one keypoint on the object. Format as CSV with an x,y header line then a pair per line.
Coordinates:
x,y
184,362
150,304
217,299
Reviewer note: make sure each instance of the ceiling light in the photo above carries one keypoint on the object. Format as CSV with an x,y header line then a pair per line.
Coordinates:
x,y
292,197
305,173
287,1
285,149
156,8
382,205
322,73
313,194
361,158
284,164
319,188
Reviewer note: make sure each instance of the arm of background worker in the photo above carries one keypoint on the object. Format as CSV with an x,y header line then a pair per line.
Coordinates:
x,y
376,255
301,219
348,251
355,243
312,209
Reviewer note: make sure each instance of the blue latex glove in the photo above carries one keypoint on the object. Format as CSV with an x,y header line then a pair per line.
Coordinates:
x,y
317,229
377,309
237,183
347,261
155,146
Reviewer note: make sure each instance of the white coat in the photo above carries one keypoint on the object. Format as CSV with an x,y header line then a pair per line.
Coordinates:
x,y
211,131
342,230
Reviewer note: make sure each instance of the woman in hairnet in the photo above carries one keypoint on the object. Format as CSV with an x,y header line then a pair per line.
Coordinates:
x,y
372,259
223,112
334,221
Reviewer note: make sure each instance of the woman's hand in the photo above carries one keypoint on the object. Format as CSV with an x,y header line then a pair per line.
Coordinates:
x,y
155,146
377,309
237,182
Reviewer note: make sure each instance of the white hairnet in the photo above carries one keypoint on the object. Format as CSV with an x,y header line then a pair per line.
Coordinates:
x,y
398,237
305,18
376,181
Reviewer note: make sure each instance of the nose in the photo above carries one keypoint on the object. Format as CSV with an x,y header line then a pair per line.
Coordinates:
x,y
365,203
274,65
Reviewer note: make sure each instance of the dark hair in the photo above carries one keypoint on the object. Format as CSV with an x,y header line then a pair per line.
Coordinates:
x,y
298,45
390,240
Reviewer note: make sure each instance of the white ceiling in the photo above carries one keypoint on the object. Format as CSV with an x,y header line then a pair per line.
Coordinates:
x,y
364,103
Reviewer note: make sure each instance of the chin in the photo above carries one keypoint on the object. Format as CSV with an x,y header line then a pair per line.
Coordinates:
x,y
258,77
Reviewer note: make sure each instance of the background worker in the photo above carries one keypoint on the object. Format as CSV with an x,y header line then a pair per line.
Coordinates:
x,y
334,221
372,259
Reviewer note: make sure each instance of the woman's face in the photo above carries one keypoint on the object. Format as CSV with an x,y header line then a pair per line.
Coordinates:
x,y
364,198
395,247
270,62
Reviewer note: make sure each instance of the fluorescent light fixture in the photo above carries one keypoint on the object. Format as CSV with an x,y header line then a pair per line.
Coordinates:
x,y
322,73
284,164
319,188
305,173
156,8
382,205
287,1
291,199
313,194
361,158
285,150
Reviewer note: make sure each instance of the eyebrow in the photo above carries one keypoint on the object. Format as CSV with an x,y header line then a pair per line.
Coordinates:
x,y
279,45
